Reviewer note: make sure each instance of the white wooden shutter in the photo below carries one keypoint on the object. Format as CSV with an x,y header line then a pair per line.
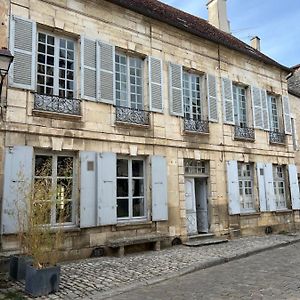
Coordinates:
x,y
261,186
88,189
16,188
294,187
227,100
159,188
176,94
257,107
106,72
287,115
23,46
268,170
212,98
106,188
233,187
265,110
88,69
155,84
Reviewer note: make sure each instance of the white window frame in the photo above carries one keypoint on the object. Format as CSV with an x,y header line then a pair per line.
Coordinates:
x,y
279,183
240,119
273,126
129,104
130,197
54,178
243,185
56,67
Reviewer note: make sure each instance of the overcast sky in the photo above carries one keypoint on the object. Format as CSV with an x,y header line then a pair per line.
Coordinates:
x,y
276,22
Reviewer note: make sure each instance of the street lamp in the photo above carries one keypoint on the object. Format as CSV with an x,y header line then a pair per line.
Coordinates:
x,y
5,61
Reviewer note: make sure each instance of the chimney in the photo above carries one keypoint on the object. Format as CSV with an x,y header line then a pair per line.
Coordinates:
x,y
255,43
217,14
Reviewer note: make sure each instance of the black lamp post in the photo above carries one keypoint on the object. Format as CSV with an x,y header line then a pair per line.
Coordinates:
x,y
6,59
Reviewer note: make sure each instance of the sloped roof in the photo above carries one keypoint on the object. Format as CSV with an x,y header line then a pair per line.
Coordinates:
x,y
294,82
194,25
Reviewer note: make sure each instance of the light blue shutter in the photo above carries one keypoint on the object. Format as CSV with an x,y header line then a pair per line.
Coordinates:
x,y
159,184
265,110
23,46
261,186
88,69
227,100
269,186
88,189
106,73
17,186
155,84
294,187
257,108
287,115
176,93
212,98
233,187
107,186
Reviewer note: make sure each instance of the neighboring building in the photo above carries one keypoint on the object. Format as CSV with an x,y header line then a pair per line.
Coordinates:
x,y
170,125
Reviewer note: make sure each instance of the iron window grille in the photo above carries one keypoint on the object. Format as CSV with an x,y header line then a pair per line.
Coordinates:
x,y
197,126
244,133
132,116
276,137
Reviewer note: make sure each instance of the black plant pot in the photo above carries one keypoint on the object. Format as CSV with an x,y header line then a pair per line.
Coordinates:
x,y
41,282
17,266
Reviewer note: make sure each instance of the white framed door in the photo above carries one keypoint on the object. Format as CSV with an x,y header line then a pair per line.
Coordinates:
x,y
201,205
190,204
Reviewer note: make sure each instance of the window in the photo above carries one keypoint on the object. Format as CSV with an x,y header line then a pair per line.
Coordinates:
x,y
195,167
273,113
192,97
129,81
245,174
279,186
130,189
240,105
55,65
54,187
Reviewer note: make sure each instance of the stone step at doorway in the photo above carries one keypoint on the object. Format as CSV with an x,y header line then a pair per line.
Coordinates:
x,y
205,239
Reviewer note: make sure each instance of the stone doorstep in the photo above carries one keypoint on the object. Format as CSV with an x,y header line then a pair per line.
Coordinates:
x,y
201,243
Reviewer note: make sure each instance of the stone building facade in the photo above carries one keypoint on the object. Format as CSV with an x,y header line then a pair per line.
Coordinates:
x,y
159,122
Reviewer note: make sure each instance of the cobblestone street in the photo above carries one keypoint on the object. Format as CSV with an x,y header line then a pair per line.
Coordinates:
x,y
106,276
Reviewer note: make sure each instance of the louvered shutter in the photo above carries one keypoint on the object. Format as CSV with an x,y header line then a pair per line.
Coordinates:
x,y
287,115
106,73
88,189
269,186
265,110
212,98
233,187
257,107
176,95
23,46
261,186
16,188
88,69
227,101
159,188
106,188
155,84
294,187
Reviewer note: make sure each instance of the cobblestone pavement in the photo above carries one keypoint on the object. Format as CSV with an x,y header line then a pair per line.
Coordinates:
x,y
100,277
270,275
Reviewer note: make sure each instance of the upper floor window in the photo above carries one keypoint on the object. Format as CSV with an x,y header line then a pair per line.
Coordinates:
x,y
273,113
240,105
129,81
192,97
279,186
55,65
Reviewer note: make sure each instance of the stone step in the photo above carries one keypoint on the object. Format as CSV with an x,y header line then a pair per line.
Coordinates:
x,y
207,242
201,236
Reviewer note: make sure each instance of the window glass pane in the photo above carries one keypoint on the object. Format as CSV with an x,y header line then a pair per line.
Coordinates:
x,y
138,207
64,189
63,211
43,165
137,168
122,208
122,187
137,187
42,212
121,80
42,189
65,166
122,168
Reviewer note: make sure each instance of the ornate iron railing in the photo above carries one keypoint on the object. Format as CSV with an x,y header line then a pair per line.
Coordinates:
x,y
132,116
197,126
57,104
244,133
276,137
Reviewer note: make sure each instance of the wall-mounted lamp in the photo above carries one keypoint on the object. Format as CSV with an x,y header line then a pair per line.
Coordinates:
x,y
6,59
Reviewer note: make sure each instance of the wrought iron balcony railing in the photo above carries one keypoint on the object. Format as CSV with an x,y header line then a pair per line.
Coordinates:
x,y
57,104
244,133
132,116
197,126
276,137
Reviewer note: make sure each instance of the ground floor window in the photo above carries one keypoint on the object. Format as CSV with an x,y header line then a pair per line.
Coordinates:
x,y
245,174
54,188
130,188
279,186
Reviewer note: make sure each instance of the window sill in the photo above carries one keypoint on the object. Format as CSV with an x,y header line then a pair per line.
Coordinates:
x,y
132,225
250,213
195,132
55,115
66,229
282,211
128,124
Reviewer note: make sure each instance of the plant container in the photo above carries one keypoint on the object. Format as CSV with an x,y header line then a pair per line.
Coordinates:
x,y
41,282
17,266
